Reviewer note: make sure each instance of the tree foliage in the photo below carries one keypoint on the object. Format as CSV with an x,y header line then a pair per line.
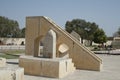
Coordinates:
x,y
117,33
23,32
86,30
78,26
9,28
99,36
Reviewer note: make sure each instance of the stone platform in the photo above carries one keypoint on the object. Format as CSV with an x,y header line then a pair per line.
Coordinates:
x,y
2,62
56,68
11,73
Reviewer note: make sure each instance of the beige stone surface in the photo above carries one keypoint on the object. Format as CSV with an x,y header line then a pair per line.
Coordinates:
x,y
36,29
76,35
63,48
49,45
61,51
57,68
11,73
2,62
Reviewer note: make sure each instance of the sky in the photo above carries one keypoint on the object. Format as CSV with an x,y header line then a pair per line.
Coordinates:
x,y
105,13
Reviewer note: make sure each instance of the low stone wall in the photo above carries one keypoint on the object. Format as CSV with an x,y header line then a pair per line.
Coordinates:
x,y
116,44
12,41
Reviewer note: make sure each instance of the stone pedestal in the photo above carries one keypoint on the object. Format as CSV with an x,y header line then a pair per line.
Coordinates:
x,y
2,62
57,67
11,73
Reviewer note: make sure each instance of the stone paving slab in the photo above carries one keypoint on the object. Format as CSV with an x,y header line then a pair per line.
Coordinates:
x,y
110,71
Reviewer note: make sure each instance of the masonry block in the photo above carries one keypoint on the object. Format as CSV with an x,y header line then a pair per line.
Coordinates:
x,y
56,68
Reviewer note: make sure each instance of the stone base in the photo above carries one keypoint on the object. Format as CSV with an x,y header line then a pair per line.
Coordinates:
x,y
2,62
11,73
57,67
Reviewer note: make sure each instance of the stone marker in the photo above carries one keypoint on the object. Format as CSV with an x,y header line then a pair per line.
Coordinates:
x,y
49,45
76,35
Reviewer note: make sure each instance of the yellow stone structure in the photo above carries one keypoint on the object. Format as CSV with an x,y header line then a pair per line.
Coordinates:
x,y
67,48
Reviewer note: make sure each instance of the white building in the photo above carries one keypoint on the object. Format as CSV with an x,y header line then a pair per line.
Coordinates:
x,y
13,41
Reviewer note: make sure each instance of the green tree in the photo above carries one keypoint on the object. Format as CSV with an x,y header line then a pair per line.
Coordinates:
x,y
85,29
91,29
118,31
115,34
23,32
99,36
78,25
9,28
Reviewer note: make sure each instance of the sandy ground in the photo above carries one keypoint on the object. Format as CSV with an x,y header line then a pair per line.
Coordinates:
x,y
110,70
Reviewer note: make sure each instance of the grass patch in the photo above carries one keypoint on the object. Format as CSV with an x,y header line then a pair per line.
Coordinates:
x,y
11,54
13,51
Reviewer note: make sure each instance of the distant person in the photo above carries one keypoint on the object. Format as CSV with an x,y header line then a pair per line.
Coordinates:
x,y
22,43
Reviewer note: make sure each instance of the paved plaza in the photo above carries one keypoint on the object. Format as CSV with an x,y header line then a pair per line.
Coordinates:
x,y
110,70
